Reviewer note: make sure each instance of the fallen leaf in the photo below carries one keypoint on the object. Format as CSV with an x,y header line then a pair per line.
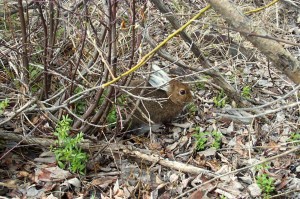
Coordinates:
x,y
208,152
171,147
174,177
198,194
254,190
103,182
224,193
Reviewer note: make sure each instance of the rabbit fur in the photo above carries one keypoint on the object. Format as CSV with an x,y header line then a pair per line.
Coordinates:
x,y
169,96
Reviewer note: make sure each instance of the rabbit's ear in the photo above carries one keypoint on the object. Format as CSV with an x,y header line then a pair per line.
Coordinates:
x,y
159,78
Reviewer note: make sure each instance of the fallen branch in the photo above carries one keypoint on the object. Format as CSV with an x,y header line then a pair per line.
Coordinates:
x,y
108,148
20,110
152,52
215,74
282,59
295,149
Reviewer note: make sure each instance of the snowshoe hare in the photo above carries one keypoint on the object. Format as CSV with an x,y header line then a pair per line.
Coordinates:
x,y
166,98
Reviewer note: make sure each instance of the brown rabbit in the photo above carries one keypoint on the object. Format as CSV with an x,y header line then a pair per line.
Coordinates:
x,y
176,95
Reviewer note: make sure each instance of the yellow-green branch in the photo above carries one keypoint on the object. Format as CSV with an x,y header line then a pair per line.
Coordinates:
x,y
152,52
261,8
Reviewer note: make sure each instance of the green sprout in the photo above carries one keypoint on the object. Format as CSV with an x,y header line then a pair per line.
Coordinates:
x,y
295,137
266,184
68,153
220,99
264,181
246,92
3,105
202,138
217,139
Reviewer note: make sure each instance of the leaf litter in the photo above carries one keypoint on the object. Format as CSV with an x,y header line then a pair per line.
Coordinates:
x,y
244,142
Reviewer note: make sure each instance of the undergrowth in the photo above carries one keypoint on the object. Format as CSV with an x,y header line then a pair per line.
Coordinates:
x,y
68,153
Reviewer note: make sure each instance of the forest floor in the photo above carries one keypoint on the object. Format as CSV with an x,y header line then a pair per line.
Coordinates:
x,y
212,150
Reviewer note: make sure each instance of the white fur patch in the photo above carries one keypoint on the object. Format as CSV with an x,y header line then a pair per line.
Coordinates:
x,y
159,78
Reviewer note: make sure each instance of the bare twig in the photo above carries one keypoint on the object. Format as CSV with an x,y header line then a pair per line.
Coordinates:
x,y
282,59
295,149
20,110
116,148
25,66
152,52
218,78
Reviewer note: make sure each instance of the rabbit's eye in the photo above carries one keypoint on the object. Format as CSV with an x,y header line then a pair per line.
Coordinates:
x,y
182,92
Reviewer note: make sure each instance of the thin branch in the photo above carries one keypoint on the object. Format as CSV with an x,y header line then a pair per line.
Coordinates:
x,y
295,149
115,148
20,110
152,52
25,65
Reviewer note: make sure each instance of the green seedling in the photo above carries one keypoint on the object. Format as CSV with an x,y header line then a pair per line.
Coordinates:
x,y
178,6
200,85
192,108
33,74
295,137
68,153
246,92
263,166
111,118
80,105
217,139
3,105
264,181
266,184
223,197
220,99
202,138
60,32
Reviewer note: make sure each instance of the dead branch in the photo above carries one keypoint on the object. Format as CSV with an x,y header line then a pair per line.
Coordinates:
x,y
20,110
282,59
295,149
112,147
218,78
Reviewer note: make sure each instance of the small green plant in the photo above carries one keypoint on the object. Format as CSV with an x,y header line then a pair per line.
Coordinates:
x,y
111,118
60,32
3,105
202,138
246,92
93,196
264,181
178,5
192,108
112,115
217,139
67,152
80,105
220,99
223,197
295,137
263,166
266,184
34,72
200,85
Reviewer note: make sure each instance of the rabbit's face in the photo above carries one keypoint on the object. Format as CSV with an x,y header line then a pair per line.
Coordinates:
x,y
179,92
